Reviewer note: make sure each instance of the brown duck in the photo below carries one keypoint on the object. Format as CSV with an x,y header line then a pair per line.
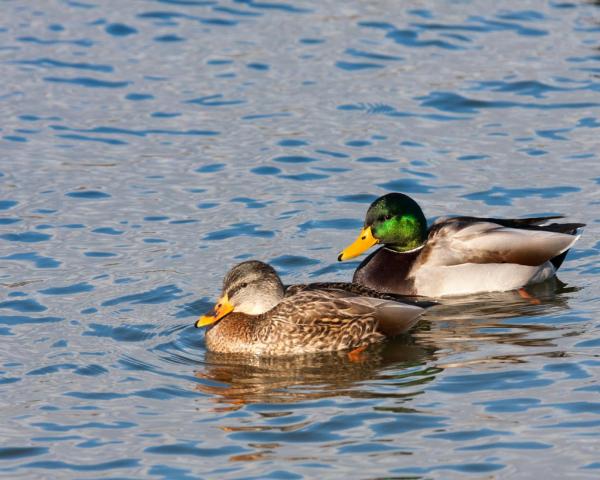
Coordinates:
x,y
257,314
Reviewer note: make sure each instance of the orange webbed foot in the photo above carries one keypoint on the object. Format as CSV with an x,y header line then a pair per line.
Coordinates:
x,y
356,354
527,296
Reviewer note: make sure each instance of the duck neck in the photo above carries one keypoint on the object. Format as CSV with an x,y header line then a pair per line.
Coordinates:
x,y
262,301
406,248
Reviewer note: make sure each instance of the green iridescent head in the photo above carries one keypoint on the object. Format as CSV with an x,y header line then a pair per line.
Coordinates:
x,y
394,220
397,221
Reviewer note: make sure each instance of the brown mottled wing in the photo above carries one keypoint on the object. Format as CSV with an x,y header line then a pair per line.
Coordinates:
x,y
318,321
339,309
316,307
472,240
347,289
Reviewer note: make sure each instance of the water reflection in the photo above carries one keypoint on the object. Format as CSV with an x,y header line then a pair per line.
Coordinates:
x,y
242,379
494,327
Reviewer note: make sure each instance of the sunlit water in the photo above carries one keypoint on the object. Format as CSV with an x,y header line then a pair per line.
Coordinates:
x,y
147,146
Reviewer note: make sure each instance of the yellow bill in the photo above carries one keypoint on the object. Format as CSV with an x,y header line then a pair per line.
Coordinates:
x,y
222,308
364,241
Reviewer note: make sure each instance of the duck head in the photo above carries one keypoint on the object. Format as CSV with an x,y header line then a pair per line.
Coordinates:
x,y
250,287
394,220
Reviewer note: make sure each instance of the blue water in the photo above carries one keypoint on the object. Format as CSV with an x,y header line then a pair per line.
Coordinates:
x,y
148,146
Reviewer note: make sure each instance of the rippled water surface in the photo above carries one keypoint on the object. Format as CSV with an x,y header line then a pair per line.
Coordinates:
x,y
147,146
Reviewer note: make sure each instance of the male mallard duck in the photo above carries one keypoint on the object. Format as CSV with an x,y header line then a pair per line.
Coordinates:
x,y
257,314
455,256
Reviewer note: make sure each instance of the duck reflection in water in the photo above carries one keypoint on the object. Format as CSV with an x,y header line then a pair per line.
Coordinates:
x,y
499,327
244,378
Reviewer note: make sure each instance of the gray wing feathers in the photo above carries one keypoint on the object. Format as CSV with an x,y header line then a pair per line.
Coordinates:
x,y
393,318
396,318
486,242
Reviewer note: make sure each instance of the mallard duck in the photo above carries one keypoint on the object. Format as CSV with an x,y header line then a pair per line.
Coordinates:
x,y
455,256
257,314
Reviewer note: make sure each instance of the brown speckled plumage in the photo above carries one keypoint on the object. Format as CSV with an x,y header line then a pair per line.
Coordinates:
x,y
309,319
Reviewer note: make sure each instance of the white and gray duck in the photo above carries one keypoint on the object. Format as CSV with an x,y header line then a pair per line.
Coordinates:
x,y
456,255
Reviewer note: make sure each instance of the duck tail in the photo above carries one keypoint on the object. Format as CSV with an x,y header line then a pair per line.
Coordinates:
x,y
560,258
568,228
394,318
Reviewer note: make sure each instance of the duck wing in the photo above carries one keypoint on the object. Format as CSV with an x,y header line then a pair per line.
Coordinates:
x,y
347,289
337,309
393,318
532,223
462,240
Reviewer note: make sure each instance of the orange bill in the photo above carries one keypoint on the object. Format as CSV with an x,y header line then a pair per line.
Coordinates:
x,y
364,241
222,308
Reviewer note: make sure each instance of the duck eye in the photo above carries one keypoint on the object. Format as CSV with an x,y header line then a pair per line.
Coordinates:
x,y
243,285
387,217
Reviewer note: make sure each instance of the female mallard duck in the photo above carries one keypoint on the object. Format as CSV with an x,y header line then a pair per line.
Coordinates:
x,y
455,256
257,314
